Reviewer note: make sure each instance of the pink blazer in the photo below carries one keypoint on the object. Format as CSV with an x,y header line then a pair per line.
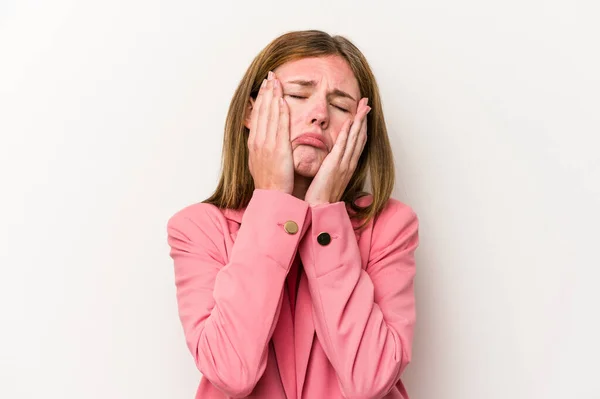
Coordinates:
x,y
345,330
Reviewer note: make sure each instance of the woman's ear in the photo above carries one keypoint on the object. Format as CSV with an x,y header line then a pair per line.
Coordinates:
x,y
248,115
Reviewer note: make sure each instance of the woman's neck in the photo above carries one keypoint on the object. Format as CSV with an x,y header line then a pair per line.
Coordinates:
x,y
301,184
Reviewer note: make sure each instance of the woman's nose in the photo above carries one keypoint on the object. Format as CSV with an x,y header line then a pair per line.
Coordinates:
x,y
318,114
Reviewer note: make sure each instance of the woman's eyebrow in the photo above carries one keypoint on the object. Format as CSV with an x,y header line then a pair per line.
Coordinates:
x,y
312,83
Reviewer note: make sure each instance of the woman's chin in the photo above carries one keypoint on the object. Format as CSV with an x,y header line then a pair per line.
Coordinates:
x,y
306,169
307,160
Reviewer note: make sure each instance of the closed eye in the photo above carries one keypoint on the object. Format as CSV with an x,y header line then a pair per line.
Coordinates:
x,y
341,109
301,97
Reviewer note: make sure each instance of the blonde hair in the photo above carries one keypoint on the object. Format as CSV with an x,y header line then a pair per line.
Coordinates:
x,y
236,184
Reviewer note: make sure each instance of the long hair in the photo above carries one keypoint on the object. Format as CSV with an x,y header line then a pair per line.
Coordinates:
x,y
236,184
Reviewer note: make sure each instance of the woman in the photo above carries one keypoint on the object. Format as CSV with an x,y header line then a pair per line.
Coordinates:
x,y
291,282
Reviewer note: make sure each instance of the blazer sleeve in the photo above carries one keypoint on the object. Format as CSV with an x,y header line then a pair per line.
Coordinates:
x,y
229,309
364,319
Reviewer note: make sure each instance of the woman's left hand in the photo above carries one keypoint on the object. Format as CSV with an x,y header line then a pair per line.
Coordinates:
x,y
338,166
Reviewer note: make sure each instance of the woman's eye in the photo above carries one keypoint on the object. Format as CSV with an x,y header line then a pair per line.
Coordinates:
x,y
304,97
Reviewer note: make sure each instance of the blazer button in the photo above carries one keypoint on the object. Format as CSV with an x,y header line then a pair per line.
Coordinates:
x,y
290,227
324,239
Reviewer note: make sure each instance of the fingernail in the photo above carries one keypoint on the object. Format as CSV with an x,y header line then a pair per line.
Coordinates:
x,y
270,75
368,109
264,83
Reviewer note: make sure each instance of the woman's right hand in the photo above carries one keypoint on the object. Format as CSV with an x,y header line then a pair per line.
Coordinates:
x,y
270,149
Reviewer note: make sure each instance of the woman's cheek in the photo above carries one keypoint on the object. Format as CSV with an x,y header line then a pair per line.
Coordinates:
x,y
334,135
294,121
335,131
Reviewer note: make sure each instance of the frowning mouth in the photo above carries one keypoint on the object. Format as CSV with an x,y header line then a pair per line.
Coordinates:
x,y
312,139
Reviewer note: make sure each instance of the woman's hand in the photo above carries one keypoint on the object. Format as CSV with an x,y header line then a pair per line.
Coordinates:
x,y
270,160
338,166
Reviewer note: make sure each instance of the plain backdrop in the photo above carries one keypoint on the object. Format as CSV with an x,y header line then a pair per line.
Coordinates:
x,y
111,120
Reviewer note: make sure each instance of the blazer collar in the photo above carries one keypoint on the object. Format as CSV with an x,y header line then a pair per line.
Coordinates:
x,y
234,214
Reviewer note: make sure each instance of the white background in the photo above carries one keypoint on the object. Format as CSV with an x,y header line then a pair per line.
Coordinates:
x,y
111,119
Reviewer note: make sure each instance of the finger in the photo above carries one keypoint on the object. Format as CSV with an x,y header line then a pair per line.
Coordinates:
x,y
282,133
360,145
255,112
283,129
354,134
340,144
264,112
351,142
274,114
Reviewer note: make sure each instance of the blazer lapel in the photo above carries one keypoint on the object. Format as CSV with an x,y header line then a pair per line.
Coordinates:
x,y
304,332
282,342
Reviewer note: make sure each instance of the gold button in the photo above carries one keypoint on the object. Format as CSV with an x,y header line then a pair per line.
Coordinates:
x,y
290,227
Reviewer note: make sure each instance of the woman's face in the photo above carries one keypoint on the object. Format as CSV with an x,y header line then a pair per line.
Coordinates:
x,y
322,93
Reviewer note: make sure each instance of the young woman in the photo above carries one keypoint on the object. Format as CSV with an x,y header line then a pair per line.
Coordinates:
x,y
291,281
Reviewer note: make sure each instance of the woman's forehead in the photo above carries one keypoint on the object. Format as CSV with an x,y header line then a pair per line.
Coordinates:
x,y
334,69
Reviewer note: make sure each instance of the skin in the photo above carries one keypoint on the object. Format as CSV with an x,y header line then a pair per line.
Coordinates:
x,y
319,176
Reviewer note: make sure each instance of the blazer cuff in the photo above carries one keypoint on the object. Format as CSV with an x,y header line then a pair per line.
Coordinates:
x,y
331,240
273,225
